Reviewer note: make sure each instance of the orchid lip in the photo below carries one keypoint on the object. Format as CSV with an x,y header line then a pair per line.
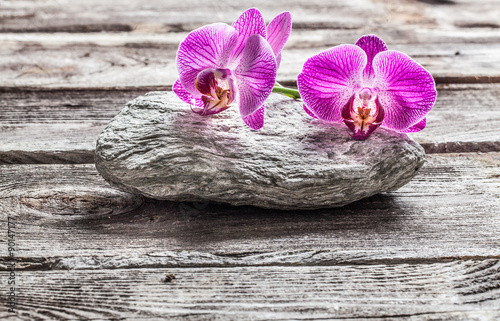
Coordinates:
x,y
362,114
217,89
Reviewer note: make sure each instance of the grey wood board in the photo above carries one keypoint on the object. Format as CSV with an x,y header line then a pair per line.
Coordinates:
x,y
56,126
458,290
142,59
69,217
61,126
173,16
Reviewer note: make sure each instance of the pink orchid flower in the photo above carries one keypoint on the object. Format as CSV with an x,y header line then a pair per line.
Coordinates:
x,y
367,86
220,65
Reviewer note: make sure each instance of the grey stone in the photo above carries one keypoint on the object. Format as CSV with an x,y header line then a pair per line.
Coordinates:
x,y
158,147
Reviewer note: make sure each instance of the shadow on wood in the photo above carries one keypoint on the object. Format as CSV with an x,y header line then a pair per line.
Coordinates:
x,y
194,223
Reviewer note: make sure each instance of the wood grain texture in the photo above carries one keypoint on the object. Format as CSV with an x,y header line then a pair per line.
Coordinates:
x,y
56,126
142,59
458,290
70,218
61,126
173,16
95,43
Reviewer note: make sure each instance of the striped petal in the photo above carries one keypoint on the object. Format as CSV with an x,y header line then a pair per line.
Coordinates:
x,y
406,90
417,127
255,75
186,96
329,79
255,120
278,32
207,47
249,23
371,45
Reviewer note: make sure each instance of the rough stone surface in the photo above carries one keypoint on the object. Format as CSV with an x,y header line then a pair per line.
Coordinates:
x,y
158,147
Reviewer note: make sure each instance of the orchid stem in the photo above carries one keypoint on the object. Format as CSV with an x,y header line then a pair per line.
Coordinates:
x,y
292,93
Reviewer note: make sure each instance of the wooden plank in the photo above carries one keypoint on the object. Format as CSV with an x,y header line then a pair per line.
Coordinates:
x,y
463,119
137,59
68,217
61,126
172,16
465,290
55,126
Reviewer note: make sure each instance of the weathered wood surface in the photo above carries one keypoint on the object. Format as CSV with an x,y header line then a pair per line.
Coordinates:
x,y
428,251
135,43
459,290
68,217
54,126
173,16
135,59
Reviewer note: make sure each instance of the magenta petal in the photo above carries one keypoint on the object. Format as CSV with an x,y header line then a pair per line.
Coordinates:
x,y
255,74
417,127
278,60
249,23
186,96
278,31
405,89
255,120
309,112
329,79
208,47
371,45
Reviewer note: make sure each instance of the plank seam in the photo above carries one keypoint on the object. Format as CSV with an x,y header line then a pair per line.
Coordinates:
x,y
105,263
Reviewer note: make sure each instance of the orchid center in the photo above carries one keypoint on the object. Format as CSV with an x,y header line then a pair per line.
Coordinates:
x,y
363,114
217,89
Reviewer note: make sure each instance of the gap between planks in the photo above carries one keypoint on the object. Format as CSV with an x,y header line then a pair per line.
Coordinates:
x,y
79,156
184,259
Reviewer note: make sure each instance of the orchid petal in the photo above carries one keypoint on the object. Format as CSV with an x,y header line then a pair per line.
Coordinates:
x,y
329,79
417,127
278,31
278,60
255,120
371,45
255,74
207,47
405,89
249,23
308,111
186,96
